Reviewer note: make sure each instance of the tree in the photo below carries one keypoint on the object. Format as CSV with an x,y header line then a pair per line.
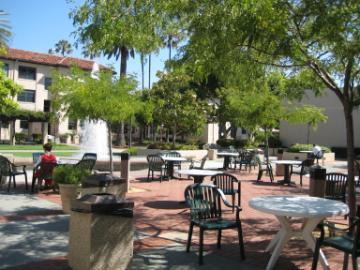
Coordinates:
x,y
176,106
63,47
320,38
5,33
116,28
105,98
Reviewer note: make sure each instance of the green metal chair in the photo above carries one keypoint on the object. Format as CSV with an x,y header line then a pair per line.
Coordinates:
x,y
335,186
226,182
156,164
348,242
9,169
264,167
303,168
205,212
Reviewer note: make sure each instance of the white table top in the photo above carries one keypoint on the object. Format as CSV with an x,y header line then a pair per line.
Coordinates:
x,y
63,161
174,158
230,154
299,206
195,172
287,162
306,151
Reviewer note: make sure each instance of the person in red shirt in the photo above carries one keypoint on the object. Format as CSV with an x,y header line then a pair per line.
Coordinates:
x,y
47,157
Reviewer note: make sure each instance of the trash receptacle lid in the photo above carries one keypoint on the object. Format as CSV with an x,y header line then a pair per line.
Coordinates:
x,y
102,180
103,203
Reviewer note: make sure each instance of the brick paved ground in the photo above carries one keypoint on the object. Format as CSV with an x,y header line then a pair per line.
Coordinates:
x,y
162,223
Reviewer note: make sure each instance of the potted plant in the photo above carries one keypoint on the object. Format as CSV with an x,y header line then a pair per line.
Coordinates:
x,y
68,177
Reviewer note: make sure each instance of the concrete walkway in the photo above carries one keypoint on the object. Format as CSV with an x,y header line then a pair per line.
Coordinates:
x,y
34,231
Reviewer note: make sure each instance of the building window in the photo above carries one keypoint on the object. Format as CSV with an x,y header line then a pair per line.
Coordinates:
x,y
72,124
5,125
6,69
24,124
26,96
28,73
243,131
47,105
47,82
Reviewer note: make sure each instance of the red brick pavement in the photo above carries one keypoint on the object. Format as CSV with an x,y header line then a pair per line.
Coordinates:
x,y
159,214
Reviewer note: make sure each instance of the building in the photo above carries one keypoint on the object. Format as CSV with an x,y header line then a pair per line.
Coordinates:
x,y
332,133
33,71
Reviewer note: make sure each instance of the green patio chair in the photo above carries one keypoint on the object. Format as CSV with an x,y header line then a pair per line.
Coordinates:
x,y
156,164
9,169
229,185
205,212
264,167
346,240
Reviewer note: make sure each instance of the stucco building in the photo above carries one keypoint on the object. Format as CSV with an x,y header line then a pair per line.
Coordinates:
x,y
33,72
332,133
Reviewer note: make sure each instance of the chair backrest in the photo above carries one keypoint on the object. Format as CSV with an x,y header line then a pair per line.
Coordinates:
x,y
46,170
5,166
173,154
224,181
89,156
308,162
155,162
248,156
36,156
204,202
335,186
86,164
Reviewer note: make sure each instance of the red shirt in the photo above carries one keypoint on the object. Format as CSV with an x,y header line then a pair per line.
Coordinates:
x,y
48,158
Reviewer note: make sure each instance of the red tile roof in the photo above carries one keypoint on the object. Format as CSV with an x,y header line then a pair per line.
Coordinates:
x,y
48,59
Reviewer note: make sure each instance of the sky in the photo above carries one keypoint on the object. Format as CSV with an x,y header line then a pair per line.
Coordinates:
x,y
37,25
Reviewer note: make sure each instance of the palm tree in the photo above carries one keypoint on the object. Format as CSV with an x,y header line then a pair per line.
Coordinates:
x,y
5,33
63,47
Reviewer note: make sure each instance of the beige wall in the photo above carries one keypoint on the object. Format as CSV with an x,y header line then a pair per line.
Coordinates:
x,y
41,94
332,133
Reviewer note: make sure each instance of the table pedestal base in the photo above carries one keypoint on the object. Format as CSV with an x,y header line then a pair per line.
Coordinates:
x,y
286,232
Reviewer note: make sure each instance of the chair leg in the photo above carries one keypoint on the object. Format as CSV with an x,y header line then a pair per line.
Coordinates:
x,y
346,261
259,176
316,255
189,237
354,261
271,175
241,241
26,182
148,177
33,184
233,202
238,193
219,239
201,246
14,181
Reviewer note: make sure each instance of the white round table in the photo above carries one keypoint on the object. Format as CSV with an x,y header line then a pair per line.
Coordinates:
x,y
287,164
312,210
227,156
199,175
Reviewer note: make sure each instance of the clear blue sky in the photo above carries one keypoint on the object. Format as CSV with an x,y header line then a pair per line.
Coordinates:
x,y
38,24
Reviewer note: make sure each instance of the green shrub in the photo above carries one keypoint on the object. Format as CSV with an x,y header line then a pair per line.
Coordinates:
x,y
69,174
296,148
231,142
170,146
37,138
20,137
132,151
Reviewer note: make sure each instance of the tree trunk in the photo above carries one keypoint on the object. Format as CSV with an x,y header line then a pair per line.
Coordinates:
x,y
123,68
174,135
266,145
110,148
149,71
308,134
130,132
349,123
142,71
12,132
0,129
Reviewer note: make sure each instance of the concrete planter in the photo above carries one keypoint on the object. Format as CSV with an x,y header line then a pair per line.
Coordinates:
x,y
68,192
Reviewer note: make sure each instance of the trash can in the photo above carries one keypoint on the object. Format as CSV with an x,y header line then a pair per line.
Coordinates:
x,y
280,169
317,181
104,183
101,233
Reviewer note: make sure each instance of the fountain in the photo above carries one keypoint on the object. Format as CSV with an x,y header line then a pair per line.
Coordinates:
x,y
94,139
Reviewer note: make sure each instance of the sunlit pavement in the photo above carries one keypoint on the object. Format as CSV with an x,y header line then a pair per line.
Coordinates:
x,y
34,231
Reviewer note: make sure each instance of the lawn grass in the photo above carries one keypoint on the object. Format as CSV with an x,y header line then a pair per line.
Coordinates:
x,y
56,147
29,154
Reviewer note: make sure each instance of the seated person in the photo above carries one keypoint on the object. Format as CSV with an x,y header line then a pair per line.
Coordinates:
x,y
47,157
